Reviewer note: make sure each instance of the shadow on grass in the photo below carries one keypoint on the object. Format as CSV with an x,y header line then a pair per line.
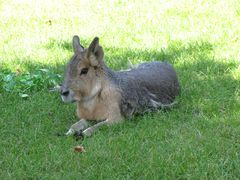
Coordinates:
x,y
207,84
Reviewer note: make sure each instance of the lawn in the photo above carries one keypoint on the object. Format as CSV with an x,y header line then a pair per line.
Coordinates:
x,y
197,139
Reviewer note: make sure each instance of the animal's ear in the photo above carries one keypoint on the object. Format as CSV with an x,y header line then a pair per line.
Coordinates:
x,y
76,45
95,52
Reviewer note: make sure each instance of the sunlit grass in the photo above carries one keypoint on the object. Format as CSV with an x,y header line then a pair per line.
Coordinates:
x,y
28,25
199,138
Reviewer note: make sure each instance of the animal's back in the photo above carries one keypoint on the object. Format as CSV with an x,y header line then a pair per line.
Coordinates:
x,y
146,87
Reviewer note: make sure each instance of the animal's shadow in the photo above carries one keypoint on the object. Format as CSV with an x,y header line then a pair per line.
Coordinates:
x,y
207,84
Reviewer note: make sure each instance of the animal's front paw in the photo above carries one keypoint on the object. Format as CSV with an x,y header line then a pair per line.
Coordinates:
x,y
88,132
70,131
77,127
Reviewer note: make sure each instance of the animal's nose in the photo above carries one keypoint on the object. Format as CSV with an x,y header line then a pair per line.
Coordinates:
x,y
64,91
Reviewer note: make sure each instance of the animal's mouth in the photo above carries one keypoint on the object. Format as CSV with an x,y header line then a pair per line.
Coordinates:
x,y
66,94
67,99
70,96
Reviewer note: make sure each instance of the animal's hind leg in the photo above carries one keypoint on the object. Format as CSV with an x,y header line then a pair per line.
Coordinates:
x,y
77,127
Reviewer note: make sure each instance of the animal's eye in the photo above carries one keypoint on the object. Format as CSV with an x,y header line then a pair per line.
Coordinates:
x,y
84,71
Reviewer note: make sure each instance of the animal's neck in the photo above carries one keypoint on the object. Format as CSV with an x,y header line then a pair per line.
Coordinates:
x,y
110,74
89,101
89,98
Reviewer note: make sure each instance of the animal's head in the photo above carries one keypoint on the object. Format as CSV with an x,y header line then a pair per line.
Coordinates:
x,y
84,73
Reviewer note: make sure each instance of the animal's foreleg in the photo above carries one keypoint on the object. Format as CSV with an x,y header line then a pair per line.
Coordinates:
x,y
91,130
78,126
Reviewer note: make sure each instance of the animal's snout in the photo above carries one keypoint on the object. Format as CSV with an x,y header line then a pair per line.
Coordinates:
x,y
63,90
66,94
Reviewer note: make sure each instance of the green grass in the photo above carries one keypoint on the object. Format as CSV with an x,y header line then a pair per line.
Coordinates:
x,y
197,139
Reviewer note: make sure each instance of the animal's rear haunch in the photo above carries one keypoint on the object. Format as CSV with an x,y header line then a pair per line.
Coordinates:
x,y
103,94
147,87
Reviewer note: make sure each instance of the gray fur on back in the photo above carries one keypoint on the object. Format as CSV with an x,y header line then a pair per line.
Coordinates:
x,y
146,87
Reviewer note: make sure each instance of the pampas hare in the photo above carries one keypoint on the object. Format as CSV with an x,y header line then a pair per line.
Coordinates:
x,y
108,96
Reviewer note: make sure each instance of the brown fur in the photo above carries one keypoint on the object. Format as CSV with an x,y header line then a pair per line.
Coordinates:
x,y
96,98
105,105
106,96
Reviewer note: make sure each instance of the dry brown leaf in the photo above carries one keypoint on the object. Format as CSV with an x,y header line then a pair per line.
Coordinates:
x,y
79,148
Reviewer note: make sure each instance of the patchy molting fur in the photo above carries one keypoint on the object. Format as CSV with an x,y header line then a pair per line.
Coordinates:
x,y
108,96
